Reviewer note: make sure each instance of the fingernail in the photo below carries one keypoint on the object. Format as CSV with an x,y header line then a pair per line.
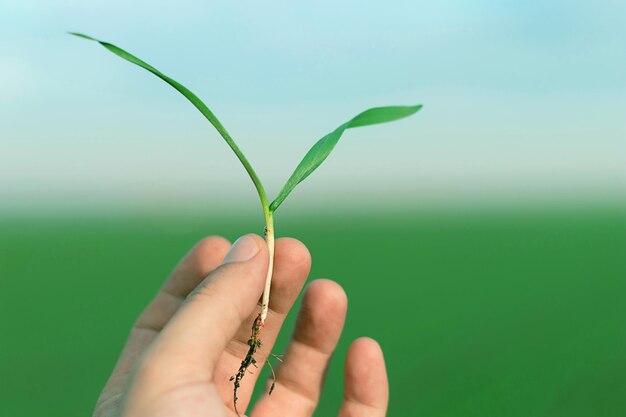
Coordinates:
x,y
242,250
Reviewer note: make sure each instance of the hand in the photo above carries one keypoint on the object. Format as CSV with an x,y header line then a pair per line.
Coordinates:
x,y
192,337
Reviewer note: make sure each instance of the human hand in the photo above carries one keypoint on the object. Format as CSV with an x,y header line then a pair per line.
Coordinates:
x,y
192,337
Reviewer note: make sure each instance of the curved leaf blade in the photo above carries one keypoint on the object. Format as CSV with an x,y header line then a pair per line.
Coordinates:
x,y
195,100
320,151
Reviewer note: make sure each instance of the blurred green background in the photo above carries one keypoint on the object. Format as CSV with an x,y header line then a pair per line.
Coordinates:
x,y
481,312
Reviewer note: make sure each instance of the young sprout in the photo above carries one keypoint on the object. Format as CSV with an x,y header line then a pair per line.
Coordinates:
x,y
313,159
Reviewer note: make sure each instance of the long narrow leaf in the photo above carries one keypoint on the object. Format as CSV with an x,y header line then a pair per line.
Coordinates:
x,y
181,88
191,97
320,151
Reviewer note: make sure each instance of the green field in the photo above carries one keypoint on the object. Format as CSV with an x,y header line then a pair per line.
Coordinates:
x,y
480,313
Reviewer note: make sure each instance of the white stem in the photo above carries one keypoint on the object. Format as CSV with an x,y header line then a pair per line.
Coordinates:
x,y
269,238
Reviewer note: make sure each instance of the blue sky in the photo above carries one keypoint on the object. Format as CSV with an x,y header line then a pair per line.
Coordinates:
x,y
520,98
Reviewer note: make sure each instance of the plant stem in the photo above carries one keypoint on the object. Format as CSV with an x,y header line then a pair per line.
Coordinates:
x,y
269,238
269,218
254,342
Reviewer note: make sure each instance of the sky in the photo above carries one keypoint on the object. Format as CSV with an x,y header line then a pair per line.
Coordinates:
x,y
520,99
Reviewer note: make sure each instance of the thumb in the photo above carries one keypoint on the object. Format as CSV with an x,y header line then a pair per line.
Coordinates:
x,y
196,336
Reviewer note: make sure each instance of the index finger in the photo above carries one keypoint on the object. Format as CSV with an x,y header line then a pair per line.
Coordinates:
x,y
194,340
203,258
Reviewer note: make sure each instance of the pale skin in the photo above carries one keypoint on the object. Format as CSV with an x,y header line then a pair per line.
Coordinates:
x,y
192,337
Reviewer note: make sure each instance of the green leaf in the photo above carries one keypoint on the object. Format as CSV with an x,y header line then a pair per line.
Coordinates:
x,y
320,151
194,100
181,88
